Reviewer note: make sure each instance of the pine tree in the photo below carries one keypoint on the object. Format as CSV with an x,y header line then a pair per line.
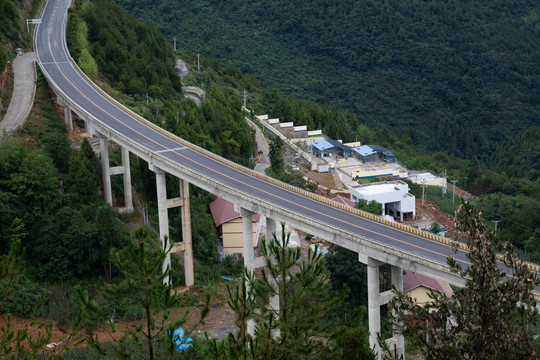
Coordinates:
x,y
296,313
493,317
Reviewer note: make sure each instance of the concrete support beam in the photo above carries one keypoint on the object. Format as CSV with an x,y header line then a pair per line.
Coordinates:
x,y
163,216
397,281
68,116
374,309
105,169
186,233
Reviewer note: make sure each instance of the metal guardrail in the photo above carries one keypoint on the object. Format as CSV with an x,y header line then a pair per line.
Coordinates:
x,y
316,197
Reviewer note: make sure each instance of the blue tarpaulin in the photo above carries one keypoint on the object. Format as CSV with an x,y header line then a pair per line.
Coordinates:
x,y
180,341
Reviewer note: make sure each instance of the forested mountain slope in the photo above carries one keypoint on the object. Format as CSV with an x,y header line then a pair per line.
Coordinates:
x,y
458,76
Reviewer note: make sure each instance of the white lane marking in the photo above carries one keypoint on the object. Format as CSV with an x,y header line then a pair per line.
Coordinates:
x,y
175,149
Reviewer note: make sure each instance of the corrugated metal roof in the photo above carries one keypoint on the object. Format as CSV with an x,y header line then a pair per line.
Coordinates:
x,y
337,144
364,150
322,145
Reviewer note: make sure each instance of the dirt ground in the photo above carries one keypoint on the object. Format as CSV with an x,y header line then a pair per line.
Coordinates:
x,y
218,323
430,213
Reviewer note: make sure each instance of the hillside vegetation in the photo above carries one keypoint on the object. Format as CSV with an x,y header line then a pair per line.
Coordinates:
x,y
454,76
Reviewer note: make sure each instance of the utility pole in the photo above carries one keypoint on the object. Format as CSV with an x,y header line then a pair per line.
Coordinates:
x,y
454,192
423,189
496,222
245,98
175,43
444,184
198,62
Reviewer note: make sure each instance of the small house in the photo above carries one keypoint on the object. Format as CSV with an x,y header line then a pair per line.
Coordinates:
x,y
418,287
323,167
323,149
229,225
365,153
342,150
394,197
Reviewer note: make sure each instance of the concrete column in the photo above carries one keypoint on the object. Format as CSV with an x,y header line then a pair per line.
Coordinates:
x,y
274,300
270,229
397,281
163,216
186,233
247,231
68,117
128,198
106,170
374,310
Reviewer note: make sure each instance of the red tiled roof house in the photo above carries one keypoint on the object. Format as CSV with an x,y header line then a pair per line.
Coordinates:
x,y
229,224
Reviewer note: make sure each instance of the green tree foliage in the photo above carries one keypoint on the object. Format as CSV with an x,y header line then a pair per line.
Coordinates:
x,y
369,206
144,274
17,343
111,234
463,71
519,156
492,317
28,188
131,55
83,172
310,321
277,149
346,270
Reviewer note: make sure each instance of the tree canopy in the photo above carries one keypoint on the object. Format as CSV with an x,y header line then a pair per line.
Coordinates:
x,y
493,317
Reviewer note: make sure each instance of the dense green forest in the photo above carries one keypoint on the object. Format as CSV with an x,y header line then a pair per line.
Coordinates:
x,y
137,62
454,76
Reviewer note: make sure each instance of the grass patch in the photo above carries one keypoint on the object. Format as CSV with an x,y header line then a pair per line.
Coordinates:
x,y
434,193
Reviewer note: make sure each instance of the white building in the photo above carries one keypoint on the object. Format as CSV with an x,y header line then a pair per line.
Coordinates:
x,y
393,195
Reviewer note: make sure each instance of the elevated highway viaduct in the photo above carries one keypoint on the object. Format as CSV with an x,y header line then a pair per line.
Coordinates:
x,y
375,240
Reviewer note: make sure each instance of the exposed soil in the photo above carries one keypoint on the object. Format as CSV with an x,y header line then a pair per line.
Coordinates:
x,y
429,213
218,323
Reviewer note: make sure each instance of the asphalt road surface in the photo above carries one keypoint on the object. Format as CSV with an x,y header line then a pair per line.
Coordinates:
x,y
55,61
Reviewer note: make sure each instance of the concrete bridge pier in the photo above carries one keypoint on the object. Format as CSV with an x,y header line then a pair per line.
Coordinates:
x,y
163,216
397,281
376,299
270,230
249,261
105,168
374,306
125,170
68,116
186,233
164,205
67,111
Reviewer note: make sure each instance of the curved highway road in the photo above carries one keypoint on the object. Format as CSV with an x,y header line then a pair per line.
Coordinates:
x,y
55,61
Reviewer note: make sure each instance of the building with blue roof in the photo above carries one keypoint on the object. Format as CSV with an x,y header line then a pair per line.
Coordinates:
x,y
369,153
323,149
